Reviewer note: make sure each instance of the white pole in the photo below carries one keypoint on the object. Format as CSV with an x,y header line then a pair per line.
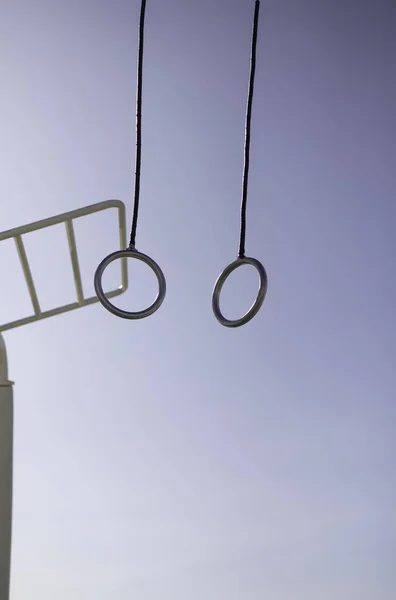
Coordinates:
x,y
6,394
6,447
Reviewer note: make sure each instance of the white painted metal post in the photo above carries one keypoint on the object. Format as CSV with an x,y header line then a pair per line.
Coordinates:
x,y
6,448
6,392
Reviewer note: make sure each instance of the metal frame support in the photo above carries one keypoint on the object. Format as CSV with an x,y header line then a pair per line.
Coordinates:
x,y
6,462
6,389
66,218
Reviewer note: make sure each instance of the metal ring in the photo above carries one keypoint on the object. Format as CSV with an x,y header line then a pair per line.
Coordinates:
x,y
119,312
246,260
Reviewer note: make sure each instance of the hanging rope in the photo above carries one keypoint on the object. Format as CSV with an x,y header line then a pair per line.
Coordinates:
x,y
242,237
132,240
131,251
242,259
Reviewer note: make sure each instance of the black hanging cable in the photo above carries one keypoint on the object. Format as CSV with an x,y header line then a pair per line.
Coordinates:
x,y
242,237
131,251
242,259
138,126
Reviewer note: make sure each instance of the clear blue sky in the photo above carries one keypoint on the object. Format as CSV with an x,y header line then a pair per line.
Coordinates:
x,y
172,458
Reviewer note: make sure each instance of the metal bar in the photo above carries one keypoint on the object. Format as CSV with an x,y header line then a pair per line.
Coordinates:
x,y
124,261
6,452
28,275
17,232
73,214
71,238
58,311
6,455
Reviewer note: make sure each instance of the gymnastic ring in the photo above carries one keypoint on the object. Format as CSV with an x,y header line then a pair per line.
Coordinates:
x,y
246,260
119,312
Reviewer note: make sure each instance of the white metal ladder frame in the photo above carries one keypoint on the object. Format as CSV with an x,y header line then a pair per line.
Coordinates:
x,y
66,218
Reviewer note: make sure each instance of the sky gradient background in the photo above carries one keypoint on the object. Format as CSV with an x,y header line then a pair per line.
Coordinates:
x,y
170,457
